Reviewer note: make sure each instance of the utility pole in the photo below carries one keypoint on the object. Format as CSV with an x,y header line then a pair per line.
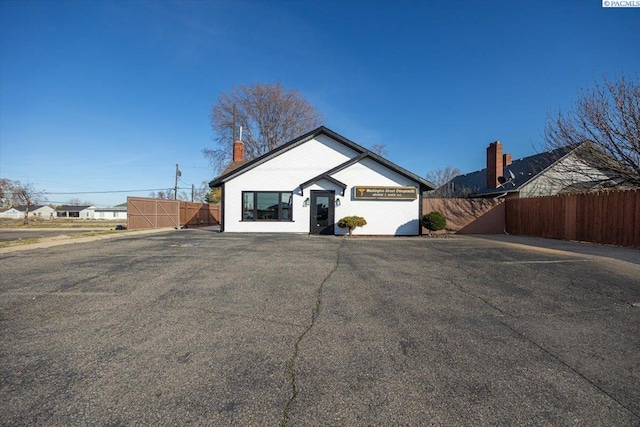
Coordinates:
x,y
178,173
193,190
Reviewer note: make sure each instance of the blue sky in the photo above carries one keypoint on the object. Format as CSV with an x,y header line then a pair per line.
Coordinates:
x,y
99,96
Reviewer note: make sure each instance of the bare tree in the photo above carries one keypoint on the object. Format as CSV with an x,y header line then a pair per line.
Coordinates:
x,y
183,195
605,123
161,194
440,178
201,192
6,195
168,195
17,193
78,202
379,149
269,114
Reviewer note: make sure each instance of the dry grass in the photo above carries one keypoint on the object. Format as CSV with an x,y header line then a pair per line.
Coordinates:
x,y
59,223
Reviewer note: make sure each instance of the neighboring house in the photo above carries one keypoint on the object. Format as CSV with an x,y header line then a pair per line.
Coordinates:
x,y
39,211
12,213
114,212
309,183
549,173
71,211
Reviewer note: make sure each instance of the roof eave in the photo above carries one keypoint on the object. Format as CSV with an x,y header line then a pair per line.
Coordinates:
x,y
363,152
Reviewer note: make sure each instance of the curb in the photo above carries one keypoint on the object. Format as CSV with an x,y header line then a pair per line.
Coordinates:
x,y
48,242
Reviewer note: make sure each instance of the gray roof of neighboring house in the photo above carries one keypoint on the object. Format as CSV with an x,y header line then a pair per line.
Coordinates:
x,y
231,171
23,208
72,208
524,170
118,208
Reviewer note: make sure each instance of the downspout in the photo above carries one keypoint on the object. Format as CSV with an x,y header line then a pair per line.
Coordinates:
x,y
421,192
222,208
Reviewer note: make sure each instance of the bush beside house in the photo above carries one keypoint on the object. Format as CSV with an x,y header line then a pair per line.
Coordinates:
x,y
434,221
351,222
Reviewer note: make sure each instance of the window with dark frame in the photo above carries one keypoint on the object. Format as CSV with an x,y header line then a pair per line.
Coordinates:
x,y
266,206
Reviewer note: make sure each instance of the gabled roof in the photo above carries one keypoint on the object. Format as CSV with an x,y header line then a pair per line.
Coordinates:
x,y
32,208
326,176
363,152
524,170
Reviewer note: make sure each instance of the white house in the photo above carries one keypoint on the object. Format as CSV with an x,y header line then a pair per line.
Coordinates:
x,y
12,213
114,212
73,211
39,211
308,184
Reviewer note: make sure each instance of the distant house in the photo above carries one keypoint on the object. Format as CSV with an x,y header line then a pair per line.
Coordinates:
x,y
39,211
71,211
114,212
11,213
563,170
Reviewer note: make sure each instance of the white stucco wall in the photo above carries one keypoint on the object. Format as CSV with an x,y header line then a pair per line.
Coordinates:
x,y
88,213
106,213
12,213
44,212
384,217
283,173
288,170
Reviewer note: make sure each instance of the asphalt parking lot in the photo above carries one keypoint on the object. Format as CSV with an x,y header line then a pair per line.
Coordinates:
x,y
191,327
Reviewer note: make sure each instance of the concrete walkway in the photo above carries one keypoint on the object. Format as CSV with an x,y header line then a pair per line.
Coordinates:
x,y
631,255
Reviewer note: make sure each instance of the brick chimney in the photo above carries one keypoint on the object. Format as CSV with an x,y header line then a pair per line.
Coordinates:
x,y
494,164
506,159
238,151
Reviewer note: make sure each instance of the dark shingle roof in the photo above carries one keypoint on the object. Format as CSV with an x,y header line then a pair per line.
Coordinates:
x,y
524,169
72,208
233,166
23,208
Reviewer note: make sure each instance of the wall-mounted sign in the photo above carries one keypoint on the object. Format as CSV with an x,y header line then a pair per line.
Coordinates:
x,y
385,193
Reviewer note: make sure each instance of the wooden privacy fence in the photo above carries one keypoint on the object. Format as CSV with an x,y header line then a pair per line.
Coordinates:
x,y
162,213
611,217
199,214
468,216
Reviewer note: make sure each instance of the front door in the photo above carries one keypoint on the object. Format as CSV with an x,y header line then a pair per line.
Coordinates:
x,y
322,203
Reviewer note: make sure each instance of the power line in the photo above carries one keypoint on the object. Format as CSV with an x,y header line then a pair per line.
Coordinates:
x,y
108,191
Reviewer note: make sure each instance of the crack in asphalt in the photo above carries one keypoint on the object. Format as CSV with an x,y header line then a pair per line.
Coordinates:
x,y
542,348
504,315
292,361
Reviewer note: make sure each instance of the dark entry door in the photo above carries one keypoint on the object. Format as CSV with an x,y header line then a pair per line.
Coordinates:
x,y
322,204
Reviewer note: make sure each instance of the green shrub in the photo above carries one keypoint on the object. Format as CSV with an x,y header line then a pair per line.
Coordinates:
x,y
434,221
351,222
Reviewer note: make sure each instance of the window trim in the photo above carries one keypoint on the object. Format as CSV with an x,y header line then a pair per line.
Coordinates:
x,y
255,206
